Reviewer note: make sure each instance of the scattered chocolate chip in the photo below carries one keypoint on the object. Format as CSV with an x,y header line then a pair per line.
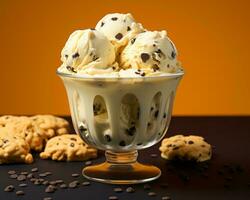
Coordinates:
x,y
122,143
38,182
47,198
190,142
11,172
66,56
151,194
164,115
137,73
85,183
166,198
52,182
95,58
22,185
145,57
113,68
13,176
72,144
118,190
168,65
20,192
21,178
75,55
74,184
133,40
75,175
102,24
45,182
89,162
128,28
146,187
107,138
155,67
114,18
50,189
30,175
34,169
59,181
113,198
175,148
130,190
9,188
63,186
153,155
143,74
154,45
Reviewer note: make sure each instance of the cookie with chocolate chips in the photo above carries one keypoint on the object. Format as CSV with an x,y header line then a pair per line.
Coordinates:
x,y
13,148
186,148
69,147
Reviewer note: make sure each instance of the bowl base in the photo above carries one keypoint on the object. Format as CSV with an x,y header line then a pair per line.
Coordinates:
x,y
122,172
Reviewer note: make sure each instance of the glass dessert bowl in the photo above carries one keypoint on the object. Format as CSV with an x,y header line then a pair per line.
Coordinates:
x,y
121,116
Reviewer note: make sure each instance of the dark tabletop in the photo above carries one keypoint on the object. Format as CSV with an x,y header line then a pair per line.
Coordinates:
x,y
226,176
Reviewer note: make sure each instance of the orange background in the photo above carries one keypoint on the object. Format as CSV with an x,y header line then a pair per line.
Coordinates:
x,y
212,37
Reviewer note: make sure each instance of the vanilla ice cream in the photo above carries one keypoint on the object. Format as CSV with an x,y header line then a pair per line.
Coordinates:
x,y
150,53
88,52
119,28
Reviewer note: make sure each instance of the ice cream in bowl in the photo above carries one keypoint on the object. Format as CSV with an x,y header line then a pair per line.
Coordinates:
x,y
121,81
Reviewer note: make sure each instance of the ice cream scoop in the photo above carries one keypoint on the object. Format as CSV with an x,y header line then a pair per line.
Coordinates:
x,y
88,52
119,28
150,52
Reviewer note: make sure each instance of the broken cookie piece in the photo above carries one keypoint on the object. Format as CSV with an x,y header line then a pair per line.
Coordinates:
x,y
186,148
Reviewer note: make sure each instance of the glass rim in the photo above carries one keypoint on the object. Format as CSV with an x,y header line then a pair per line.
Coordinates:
x,y
83,77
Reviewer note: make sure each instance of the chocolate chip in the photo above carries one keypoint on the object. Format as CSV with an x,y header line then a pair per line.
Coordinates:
x,y
155,67
102,24
9,188
173,55
72,144
118,36
71,69
82,129
11,172
156,113
166,198
118,190
133,40
75,175
175,148
89,162
168,66
113,68
151,194
95,58
34,169
45,182
30,175
21,178
146,187
128,28
164,115
59,181
143,74
86,183
107,138
154,45
75,55
73,184
122,143
190,142
153,155
130,190
23,185
131,131
114,18
20,192
50,189
145,57
113,198
47,198
63,186
13,176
